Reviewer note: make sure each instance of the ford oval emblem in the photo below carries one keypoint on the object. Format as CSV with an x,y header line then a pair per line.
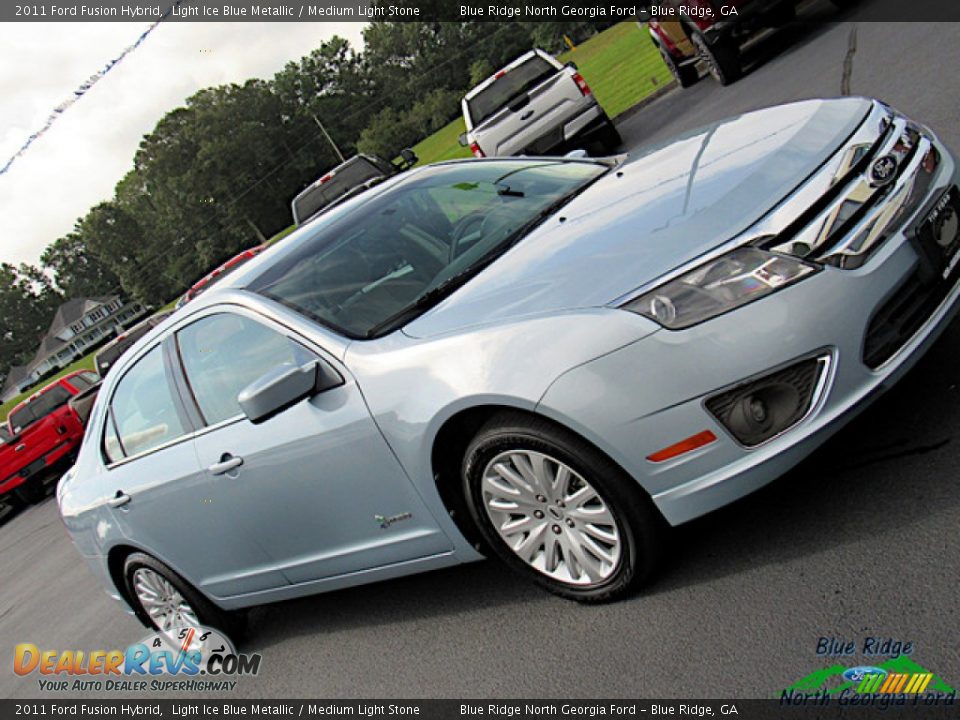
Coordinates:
x,y
883,170
856,674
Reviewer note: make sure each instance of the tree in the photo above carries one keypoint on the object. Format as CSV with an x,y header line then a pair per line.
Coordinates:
x,y
28,301
77,270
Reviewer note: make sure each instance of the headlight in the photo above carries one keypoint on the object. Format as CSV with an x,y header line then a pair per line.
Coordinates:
x,y
732,280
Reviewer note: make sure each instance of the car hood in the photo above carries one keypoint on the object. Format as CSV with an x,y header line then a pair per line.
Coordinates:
x,y
669,206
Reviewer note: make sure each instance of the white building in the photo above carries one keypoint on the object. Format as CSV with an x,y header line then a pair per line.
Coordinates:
x,y
80,325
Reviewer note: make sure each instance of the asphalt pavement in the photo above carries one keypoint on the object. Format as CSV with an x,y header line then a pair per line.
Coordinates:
x,y
859,541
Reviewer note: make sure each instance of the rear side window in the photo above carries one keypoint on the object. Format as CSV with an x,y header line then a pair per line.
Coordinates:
x,y
55,397
511,85
222,354
143,411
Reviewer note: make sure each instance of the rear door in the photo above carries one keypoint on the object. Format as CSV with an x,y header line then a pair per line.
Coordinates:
x,y
160,498
317,484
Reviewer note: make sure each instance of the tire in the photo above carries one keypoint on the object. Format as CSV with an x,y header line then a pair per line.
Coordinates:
x,y
143,568
722,58
554,553
685,75
32,492
609,137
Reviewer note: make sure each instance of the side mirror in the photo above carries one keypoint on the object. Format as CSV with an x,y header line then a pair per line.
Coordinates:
x,y
572,65
285,386
409,158
463,140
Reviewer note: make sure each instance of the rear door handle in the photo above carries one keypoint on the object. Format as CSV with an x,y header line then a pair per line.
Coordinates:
x,y
20,448
527,115
227,463
121,498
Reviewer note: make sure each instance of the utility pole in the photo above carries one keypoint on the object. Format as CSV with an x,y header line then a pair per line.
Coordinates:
x,y
329,139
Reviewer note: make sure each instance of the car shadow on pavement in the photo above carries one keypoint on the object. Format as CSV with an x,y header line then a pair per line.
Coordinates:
x,y
450,591
893,467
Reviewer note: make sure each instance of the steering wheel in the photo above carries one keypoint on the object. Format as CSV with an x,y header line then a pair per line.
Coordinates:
x,y
466,225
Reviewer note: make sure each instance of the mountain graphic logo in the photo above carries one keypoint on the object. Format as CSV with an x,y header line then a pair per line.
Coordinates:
x,y
899,675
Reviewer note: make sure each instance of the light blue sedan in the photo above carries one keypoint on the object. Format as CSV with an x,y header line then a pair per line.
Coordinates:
x,y
549,360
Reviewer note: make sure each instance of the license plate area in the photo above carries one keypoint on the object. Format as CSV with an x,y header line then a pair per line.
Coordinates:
x,y
938,238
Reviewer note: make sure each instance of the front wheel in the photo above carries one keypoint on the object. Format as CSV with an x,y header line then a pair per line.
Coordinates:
x,y
558,511
685,75
31,492
165,601
722,58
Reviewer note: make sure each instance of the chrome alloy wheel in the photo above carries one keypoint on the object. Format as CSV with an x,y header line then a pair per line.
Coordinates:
x,y
162,601
551,517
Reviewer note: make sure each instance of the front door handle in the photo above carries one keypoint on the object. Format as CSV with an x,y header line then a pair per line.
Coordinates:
x,y
227,463
527,115
121,498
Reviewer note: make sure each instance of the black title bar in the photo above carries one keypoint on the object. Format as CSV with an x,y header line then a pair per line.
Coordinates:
x,y
429,10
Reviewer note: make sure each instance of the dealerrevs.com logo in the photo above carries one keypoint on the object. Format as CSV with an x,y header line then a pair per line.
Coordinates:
x,y
186,659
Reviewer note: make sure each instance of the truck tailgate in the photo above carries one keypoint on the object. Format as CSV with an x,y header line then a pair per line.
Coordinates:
x,y
538,115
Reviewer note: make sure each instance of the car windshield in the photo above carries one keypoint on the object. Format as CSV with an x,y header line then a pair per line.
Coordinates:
x,y
4,435
38,409
508,86
356,172
405,247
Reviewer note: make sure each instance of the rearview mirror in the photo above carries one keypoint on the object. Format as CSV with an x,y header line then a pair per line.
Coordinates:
x,y
462,139
285,386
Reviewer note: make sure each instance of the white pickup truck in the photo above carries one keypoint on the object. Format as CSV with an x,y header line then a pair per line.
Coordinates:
x,y
535,106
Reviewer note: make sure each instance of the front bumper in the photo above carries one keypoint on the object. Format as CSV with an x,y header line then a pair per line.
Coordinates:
x,y
652,393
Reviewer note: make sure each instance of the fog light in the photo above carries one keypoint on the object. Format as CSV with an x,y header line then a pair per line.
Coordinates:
x,y
760,409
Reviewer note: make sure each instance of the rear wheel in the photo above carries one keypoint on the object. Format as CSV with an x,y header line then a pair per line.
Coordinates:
x,y
609,137
559,512
165,601
685,75
31,492
722,58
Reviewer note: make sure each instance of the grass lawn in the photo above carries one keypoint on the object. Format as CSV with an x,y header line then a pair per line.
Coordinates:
x,y
620,64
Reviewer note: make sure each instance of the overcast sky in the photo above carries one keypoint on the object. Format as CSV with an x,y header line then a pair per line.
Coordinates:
x,y
90,147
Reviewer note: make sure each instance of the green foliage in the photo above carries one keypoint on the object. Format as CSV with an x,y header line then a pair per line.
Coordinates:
x,y
217,175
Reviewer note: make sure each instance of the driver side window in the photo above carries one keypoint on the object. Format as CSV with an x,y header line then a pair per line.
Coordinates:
x,y
223,353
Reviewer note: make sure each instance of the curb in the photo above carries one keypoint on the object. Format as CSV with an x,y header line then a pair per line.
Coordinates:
x,y
640,105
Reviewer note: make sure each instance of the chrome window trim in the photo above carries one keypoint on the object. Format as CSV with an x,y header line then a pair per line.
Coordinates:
x,y
269,319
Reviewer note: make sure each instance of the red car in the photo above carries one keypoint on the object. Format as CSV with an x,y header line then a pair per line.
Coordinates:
x,y
41,434
210,278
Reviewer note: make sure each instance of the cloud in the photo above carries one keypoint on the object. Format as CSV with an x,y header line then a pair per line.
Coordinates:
x,y
91,146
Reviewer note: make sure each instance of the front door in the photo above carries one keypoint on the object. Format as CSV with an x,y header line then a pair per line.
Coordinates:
x,y
316,485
